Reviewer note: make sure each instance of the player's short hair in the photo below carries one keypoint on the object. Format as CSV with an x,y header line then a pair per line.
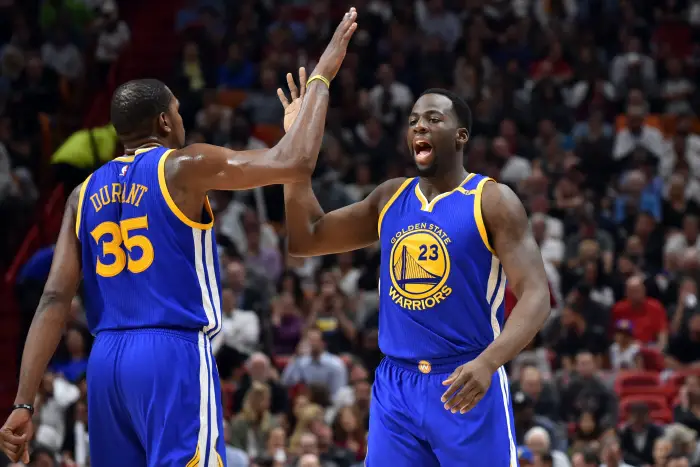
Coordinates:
x,y
460,106
136,103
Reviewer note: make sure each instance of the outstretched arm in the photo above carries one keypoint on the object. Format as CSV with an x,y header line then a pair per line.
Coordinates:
x,y
54,307
513,243
313,233
204,167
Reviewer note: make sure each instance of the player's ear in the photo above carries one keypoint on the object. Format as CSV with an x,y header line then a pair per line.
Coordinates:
x,y
164,123
462,136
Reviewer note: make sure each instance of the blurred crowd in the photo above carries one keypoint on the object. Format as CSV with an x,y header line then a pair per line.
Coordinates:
x,y
588,109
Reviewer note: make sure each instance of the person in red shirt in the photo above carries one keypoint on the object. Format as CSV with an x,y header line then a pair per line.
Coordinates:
x,y
647,315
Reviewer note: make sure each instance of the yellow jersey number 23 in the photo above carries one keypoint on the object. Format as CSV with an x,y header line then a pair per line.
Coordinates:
x,y
114,238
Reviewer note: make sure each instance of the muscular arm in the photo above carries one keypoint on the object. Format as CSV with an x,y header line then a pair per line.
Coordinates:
x,y
313,233
54,307
513,243
205,167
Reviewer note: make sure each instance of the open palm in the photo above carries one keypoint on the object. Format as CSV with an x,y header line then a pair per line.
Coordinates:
x,y
291,109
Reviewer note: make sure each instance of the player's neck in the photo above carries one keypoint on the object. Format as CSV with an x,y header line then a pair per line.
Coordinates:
x,y
441,183
130,147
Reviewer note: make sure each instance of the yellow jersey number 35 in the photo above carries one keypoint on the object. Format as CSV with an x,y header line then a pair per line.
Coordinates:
x,y
121,235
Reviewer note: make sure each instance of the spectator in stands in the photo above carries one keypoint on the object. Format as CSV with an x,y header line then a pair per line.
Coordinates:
x,y
317,366
238,72
251,427
646,314
579,334
612,454
234,456
525,419
62,56
543,394
349,432
684,347
639,436
687,412
586,393
538,441
625,351
240,335
75,366
260,370
113,36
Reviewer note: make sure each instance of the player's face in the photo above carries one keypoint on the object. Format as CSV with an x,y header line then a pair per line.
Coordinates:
x,y
433,133
176,137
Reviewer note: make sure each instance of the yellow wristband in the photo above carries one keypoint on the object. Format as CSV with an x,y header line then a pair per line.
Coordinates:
x,y
320,78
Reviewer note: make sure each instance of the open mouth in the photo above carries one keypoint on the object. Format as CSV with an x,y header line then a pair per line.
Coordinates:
x,y
423,152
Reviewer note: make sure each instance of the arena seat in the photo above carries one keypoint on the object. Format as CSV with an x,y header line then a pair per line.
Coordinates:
x,y
637,382
653,359
281,361
654,402
663,416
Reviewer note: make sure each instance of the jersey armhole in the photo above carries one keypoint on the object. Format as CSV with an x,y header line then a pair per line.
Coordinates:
x,y
171,204
390,202
478,215
79,212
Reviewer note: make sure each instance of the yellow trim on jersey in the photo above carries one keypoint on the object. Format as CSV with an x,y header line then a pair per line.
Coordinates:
x,y
478,216
81,197
171,204
195,460
124,158
390,202
218,459
428,206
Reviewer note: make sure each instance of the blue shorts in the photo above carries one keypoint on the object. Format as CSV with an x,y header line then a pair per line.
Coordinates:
x,y
154,400
408,425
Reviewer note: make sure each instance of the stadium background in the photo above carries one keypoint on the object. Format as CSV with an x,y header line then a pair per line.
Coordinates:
x,y
587,108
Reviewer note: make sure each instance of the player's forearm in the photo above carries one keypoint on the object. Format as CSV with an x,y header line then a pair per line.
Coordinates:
x,y
302,210
526,319
302,143
44,335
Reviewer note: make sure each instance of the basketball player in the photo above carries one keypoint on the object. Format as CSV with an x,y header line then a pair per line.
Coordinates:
x,y
449,239
140,228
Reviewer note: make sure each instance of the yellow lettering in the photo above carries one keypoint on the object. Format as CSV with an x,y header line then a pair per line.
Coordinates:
x,y
439,297
429,302
96,202
104,195
116,192
423,225
447,241
144,189
132,194
410,228
447,291
394,294
418,305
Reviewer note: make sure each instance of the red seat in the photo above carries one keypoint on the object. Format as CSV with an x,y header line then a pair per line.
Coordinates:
x,y
663,416
652,358
654,402
269,134
637,382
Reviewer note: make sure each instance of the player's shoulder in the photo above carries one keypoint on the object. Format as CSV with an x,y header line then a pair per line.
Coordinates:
x,y
388,189
501,207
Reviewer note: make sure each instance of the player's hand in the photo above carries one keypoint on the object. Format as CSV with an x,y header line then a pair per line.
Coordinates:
x,y
468,385
291,109
16,434
329,63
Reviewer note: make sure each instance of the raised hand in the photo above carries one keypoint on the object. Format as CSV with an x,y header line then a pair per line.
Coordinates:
x,y
291,109
329,63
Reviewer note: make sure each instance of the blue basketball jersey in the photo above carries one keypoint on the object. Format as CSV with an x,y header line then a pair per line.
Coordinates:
x,y
145,264
441,285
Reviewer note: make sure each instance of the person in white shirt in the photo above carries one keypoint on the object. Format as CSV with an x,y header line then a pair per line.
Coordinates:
x,y
515,168
624,353
239,337
114,35
637,134
62,56
389,98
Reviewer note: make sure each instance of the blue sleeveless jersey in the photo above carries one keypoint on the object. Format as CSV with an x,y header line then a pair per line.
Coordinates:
x,y
441,285
145,264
